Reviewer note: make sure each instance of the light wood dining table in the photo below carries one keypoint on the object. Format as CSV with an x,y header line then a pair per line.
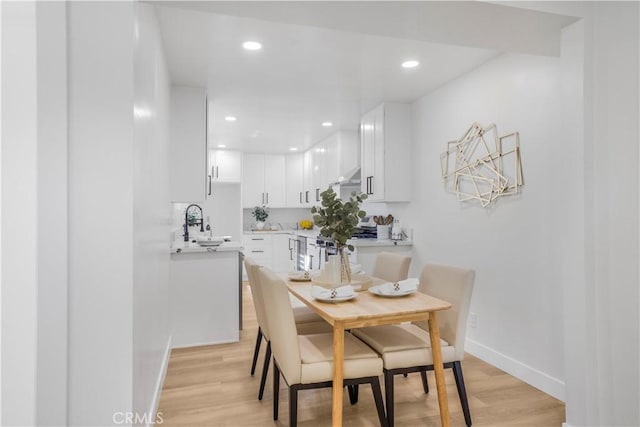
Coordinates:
x,y
367,309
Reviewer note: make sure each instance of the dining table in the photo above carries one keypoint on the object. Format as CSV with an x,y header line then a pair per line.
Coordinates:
x,y
367,309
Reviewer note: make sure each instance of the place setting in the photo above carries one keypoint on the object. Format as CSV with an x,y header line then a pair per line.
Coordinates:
x,y
395,289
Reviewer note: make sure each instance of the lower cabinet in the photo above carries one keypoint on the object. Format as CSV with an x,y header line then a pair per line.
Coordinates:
x,y
270,250
204,299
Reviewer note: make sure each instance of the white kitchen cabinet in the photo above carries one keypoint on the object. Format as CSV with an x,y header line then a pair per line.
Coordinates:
x,y
271,250
225,166
295,180
275,180
282,258
385,140
189,180
308,178
264,180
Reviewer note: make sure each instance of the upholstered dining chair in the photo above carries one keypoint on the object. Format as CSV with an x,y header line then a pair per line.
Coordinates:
x,y
306,320
306,361
406,348
391,266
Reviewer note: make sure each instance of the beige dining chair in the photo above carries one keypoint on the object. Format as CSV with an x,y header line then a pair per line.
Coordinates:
x,y
306,321
391,267
306,361
406,348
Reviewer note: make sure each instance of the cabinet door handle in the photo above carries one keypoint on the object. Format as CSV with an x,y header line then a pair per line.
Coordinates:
x,y
217,171
301,197
209,184
306,196
255,252
371,184
257,238
263,198
317,194
267,198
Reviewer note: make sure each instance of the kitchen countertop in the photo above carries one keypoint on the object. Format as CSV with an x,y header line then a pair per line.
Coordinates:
x,y
361,243
305,233
355,242
180,247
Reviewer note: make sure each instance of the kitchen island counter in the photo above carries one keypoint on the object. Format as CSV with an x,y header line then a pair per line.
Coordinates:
x,y
205,294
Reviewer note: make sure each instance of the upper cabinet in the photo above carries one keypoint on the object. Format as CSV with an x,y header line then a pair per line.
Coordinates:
x,y
295,181
264,180
225,166
189,180
385,143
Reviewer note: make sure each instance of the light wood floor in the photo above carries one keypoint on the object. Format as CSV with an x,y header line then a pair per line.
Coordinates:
x,y
211,386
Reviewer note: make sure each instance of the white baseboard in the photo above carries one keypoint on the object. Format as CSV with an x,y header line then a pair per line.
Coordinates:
x,y
202,343
526,373
159,383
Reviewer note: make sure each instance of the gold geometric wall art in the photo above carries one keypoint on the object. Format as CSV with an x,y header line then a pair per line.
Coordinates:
x,y
482,166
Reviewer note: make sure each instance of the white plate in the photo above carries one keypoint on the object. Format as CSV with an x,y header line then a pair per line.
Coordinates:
x,y
336,299
381,291
321,294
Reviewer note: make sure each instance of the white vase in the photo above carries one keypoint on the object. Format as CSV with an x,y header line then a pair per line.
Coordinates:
x,y
259,225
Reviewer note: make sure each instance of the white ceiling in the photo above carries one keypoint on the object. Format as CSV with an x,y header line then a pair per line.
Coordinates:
x,y
304,74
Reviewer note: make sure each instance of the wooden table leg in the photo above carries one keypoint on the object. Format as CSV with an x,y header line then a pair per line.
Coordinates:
x,y
338,373
434,335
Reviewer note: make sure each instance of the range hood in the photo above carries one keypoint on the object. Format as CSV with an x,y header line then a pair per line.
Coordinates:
x,y
350,178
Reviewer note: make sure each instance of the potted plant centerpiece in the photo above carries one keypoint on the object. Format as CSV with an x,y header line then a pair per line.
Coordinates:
x,y
338,220
260,213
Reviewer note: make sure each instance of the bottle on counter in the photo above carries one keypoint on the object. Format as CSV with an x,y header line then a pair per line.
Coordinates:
x,y
396,230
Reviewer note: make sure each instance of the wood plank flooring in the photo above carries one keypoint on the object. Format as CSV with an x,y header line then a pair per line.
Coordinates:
x,y
211,386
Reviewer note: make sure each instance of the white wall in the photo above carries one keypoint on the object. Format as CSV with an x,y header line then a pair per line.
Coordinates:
x,y
513,246
593,259
101,206
613,198
152,214
51,397
19,213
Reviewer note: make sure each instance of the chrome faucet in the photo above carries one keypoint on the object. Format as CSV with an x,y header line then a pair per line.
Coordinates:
x,y
186,221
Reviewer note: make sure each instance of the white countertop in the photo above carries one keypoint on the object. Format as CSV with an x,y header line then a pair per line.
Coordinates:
x,y
180,247
355,242
362,243
305,233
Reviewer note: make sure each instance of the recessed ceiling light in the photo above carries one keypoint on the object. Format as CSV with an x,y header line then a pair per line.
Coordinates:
x,y
410,64
327,124
293,149
222,146
230,118
250,45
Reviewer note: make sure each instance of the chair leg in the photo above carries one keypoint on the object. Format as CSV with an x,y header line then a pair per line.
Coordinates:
x,y
256,351
462,392
276,389
293,406
377,397
425,383
353,393
265,369
388,393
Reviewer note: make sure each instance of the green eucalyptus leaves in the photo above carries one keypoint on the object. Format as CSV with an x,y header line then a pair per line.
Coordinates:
x,y
338,219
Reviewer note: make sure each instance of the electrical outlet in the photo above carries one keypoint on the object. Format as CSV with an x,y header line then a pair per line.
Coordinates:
x,y
472,320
